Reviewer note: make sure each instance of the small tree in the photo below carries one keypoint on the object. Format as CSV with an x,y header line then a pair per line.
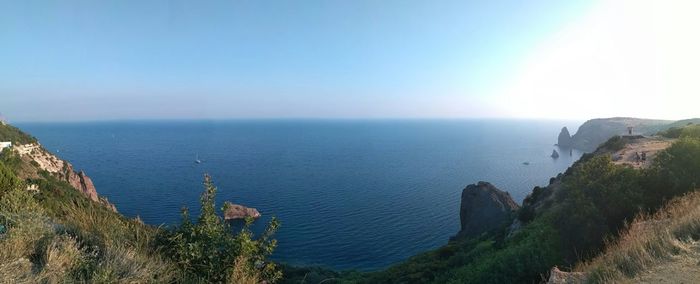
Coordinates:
x,y
207,250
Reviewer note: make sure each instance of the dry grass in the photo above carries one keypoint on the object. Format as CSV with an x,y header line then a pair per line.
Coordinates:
x,y
651,240
86,244
57,258
242,274
17,247
121,248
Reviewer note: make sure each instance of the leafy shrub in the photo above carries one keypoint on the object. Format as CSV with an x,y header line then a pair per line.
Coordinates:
x,y
14,135
616,143
689,131
673,132
207,250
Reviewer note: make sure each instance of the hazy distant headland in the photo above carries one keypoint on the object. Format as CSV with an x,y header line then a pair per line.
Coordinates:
x,y
596,131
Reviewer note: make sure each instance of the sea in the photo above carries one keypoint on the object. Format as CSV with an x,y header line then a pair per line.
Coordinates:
x,y
350,194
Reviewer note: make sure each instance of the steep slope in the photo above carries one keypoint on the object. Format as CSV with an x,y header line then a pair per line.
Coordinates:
x,y
34,159
54,228
658,248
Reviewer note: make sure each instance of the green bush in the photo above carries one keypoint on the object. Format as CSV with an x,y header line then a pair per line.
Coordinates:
x,y
673,132
207,249
14,135
689,131
594,202
616,143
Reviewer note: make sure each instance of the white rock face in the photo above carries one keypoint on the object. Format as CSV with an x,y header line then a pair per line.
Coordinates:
x,y
46,160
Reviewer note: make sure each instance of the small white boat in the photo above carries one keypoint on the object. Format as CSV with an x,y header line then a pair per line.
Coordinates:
x,y
197,160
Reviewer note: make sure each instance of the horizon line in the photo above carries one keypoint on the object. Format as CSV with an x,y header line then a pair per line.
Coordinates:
x,y
296,119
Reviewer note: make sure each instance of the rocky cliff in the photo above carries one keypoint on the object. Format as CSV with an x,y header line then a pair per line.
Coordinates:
x,y
596,131
483,208
43,160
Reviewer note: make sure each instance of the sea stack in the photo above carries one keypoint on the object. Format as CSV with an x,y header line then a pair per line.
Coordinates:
x,y
484,207
565,139
555,154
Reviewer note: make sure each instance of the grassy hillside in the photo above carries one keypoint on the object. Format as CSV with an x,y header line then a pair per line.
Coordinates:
x,y
57,235
689,130
667,239
9,133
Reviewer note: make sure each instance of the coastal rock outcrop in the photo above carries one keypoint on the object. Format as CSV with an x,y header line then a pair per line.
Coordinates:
x,y
564,139
81,182
235,211
35,154
557,276
484,207
555,154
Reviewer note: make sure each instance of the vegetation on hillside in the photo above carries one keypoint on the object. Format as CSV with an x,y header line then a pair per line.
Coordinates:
x,y
616,143
57,235
649,241
595,201
208,250
690,130
9,133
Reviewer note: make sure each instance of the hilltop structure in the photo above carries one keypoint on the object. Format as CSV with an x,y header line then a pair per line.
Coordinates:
x,y
4,145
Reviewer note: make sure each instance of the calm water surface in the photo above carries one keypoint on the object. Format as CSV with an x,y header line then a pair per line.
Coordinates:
x,y
350,194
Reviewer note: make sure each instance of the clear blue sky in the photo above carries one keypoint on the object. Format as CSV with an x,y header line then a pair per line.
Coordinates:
x,y
94,60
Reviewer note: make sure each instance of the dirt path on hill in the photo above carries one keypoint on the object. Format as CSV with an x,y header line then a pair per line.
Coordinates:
x,y
649,145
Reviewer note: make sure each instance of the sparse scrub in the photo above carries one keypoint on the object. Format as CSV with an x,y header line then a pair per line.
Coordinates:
x,y
14,135
650,240
616,143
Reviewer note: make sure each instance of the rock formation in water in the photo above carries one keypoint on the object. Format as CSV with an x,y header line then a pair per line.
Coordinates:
x,y
235,211
555,154
484,207
564,139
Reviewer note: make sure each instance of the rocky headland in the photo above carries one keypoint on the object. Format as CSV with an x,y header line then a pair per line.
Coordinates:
x,y
483,208
42,160
596,131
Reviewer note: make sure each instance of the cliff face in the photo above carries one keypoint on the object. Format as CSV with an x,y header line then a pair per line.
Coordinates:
x,y
81,182
484,207
37,155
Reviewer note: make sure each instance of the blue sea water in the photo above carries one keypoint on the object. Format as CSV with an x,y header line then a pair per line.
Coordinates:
x,y
351,194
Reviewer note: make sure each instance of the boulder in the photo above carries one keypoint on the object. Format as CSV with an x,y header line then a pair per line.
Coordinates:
x,y
484,207
235,211
557,276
